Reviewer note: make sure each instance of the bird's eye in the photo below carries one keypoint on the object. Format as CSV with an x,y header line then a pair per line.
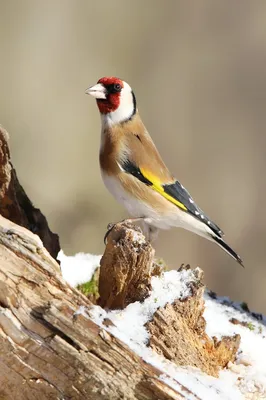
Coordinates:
x,y
114,88
117,87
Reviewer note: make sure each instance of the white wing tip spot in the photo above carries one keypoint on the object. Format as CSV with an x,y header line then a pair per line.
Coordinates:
x,y
191,200
202,216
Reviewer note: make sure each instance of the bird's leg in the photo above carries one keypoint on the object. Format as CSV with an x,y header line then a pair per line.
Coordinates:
x,y
129,220
152,233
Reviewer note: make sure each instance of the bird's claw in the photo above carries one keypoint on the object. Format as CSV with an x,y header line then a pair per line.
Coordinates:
x,y
110,227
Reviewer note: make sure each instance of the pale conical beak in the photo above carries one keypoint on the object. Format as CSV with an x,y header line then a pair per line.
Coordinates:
x,y
97,91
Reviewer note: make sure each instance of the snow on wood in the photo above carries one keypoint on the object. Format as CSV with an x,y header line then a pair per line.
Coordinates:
x,y
245,374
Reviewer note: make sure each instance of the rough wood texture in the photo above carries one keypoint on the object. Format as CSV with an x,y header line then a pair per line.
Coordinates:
x,y
126,267
15,204
178,332
49,352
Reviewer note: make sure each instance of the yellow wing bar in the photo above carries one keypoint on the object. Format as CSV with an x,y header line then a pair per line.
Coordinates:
x,y
157,186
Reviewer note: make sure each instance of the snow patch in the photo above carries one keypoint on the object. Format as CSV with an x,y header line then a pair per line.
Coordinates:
x,y
251,360
79,268
137,237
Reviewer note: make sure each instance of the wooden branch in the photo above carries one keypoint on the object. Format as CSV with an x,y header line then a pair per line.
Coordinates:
x,y
47,351
15,204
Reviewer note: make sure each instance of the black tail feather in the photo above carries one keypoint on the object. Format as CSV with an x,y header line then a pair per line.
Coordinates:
x,y
228,249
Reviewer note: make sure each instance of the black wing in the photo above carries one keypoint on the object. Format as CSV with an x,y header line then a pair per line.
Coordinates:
x,y
178,192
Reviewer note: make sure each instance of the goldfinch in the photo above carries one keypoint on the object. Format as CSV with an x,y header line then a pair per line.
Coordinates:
x,y
134,172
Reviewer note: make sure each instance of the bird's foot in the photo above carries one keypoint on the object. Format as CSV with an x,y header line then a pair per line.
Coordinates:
x,y
111,225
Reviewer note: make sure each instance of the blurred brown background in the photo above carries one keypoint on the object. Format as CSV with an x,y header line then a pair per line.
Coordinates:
x,y
198,69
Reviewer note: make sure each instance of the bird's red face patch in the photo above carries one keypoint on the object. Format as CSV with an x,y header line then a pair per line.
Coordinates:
x,y
113,87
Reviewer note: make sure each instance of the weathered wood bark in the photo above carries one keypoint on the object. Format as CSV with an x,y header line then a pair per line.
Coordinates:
x,y
15,204
49,352
126,267
178,332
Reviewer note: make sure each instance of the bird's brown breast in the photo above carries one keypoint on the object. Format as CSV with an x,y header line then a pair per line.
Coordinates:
x,y
132,139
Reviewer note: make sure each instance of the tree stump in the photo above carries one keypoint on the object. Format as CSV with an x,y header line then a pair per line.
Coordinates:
x,y
177,330
126,267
